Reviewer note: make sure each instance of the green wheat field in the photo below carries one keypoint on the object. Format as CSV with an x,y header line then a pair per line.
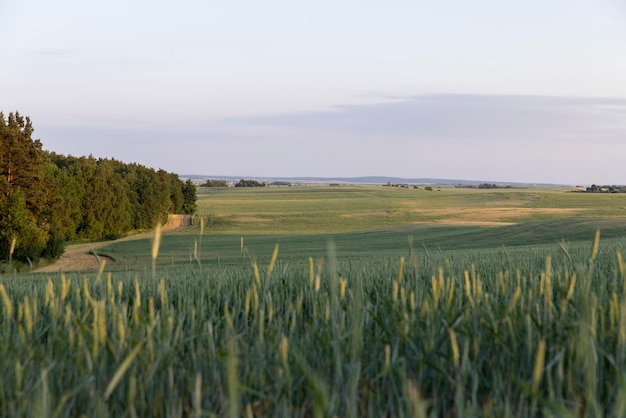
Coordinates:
x,y
348,301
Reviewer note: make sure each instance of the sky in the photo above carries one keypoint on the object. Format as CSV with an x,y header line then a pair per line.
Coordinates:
x,y
497,90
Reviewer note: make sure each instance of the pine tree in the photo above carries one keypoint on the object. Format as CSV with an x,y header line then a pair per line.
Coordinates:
x,y
23,192
21,161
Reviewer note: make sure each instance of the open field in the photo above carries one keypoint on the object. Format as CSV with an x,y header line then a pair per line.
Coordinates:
x,y
365,221
376,221
311,210
356,301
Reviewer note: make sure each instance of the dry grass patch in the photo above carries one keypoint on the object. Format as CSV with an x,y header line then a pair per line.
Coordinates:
x,y
367,214
493,216
465,222
251,219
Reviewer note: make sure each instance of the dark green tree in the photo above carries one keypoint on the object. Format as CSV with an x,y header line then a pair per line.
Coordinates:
x,y
68,183
176,193
250,183
22,161
151,202
107,211
190,197
215,183
20,236
24,190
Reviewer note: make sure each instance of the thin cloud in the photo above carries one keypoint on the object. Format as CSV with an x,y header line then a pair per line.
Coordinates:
x,y
451,117
53,52
500,138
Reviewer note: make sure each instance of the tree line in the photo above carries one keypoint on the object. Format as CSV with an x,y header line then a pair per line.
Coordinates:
x,y
242,183
250,183
605,189
47,199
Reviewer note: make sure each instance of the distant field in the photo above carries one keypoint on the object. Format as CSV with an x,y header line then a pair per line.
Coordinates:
x,y
314,210
366,221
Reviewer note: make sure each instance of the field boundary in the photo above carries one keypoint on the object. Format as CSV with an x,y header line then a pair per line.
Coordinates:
x,y
85,256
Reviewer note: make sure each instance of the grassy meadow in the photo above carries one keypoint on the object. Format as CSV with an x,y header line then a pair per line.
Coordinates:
x,y
336,301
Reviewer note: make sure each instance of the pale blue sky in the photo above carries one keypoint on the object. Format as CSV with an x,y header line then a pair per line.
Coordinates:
x,y
528,91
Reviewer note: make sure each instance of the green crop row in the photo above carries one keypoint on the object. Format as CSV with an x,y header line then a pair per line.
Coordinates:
x,y
527,333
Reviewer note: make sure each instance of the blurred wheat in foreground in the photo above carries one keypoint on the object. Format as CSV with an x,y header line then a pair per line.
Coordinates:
x,y
535,336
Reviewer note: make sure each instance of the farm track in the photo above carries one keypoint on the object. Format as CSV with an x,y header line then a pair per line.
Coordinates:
x,y
85,256
81,256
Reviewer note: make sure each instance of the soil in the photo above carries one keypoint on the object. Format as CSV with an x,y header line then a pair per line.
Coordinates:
x,y
81,256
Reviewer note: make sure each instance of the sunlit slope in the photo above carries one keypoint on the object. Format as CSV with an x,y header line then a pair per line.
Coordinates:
x,y
372,221
315,210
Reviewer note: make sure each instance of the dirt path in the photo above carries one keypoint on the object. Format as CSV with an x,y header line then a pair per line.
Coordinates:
x,y
78,256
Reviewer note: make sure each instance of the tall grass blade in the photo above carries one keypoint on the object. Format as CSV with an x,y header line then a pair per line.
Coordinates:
x,y
128,361
8,306
156,243
270,268
540,359
197,397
